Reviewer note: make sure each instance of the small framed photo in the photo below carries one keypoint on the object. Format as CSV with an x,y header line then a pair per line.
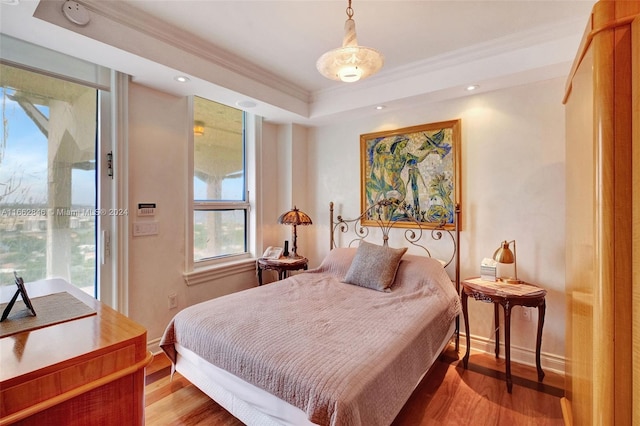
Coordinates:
x,y
22,291
272,253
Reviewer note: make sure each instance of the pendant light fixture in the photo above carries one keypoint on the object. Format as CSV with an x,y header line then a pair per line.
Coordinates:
x,y
198,128
350,62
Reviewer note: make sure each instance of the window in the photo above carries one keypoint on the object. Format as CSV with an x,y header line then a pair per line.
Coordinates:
x,y
220,204
47,179
57,124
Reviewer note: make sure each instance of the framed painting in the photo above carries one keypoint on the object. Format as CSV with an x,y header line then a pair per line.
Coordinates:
x,y
418,169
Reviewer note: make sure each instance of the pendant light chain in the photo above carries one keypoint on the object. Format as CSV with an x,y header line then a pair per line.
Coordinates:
x,y
349,11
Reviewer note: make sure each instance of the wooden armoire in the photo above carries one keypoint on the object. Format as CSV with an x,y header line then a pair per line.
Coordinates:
x,y
603,221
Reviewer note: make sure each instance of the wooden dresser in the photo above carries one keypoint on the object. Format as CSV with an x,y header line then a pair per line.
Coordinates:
x,y
603,220
81,372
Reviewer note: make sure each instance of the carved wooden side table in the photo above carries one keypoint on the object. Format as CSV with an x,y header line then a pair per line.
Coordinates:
x,y
507,296
282,266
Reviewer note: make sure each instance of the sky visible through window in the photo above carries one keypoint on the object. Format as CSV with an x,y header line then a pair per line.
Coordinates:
x,y
25,159
48,141
24,155
231,187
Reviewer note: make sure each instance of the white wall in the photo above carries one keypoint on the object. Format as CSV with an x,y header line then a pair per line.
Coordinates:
x,y
512,188
158,131
284,184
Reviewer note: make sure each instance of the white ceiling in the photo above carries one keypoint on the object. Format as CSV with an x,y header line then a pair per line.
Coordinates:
x,y
265,51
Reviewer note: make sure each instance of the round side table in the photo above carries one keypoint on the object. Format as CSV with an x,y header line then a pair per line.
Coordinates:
x,y
282,266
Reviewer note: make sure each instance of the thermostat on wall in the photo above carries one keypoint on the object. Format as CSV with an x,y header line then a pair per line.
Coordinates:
x,y
146,209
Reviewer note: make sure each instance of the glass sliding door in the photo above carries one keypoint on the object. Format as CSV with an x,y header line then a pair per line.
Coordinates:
x,y
48,200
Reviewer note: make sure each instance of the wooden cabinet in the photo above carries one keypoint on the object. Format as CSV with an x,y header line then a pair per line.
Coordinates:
x,y
602,235
80,372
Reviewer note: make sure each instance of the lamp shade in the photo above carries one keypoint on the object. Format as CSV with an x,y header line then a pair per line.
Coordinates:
x,y
295,217
504,254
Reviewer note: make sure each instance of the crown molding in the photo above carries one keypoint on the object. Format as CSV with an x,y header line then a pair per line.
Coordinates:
x,y
139,41
135,19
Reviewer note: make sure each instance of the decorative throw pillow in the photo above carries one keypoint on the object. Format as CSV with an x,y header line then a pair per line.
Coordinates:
x,y
374,266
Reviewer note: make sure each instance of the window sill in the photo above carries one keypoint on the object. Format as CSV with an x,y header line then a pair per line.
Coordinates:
x,y
209,273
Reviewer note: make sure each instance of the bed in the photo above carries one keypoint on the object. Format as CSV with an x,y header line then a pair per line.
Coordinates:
x,y
314,349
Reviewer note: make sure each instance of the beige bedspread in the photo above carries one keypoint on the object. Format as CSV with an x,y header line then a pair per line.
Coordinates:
x,y
344,354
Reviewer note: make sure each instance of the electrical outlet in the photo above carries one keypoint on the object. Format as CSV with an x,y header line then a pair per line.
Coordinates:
x,y
526,313
173,301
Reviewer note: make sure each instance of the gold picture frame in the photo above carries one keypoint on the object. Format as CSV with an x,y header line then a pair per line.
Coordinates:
x,y
413,166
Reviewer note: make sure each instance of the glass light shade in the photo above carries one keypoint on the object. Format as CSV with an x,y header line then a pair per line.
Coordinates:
x,y
350,74
295,217
350,62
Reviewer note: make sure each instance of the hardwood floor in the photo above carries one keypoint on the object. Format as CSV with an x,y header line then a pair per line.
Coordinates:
x,y
177,402
449,395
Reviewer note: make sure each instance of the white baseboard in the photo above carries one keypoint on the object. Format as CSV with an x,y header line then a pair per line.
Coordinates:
x,y
550,362
153,346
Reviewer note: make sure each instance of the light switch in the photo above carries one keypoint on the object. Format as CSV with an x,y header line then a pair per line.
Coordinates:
x,y
145,228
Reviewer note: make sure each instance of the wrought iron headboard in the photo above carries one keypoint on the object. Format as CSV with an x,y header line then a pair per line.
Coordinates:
x,y
379,219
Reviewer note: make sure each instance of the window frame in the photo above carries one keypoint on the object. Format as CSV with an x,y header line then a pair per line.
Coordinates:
x,y
216,206
205,270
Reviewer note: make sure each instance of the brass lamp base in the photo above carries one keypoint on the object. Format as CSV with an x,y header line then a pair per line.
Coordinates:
x,y
511,280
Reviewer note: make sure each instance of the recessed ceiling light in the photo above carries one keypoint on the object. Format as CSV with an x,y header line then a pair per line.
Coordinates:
x,y
379,107
181,78
472,87
11,2
246,104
